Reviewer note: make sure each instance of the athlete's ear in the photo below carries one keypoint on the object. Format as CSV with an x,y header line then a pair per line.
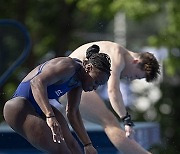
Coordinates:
x,y
88,67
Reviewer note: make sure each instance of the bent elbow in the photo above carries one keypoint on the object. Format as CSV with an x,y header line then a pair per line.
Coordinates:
x,y
112,90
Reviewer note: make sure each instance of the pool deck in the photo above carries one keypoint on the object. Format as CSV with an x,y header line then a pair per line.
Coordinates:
x,y
147,134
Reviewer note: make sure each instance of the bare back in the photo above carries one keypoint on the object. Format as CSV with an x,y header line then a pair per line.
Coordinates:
x,y
114,50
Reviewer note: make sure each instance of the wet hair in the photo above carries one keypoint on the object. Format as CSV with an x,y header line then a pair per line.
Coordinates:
x,y
150,65
99,60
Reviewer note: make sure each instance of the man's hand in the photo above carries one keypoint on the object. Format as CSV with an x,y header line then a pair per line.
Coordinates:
x,y
129,131
55,128
128,126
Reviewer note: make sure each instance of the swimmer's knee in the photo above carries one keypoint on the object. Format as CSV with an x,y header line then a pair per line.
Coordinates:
x,y
14,115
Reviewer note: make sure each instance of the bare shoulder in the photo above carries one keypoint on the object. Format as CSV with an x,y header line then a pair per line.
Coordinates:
x,y
64,63
58,70
116,48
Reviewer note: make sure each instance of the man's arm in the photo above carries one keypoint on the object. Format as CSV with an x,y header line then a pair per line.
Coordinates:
x,y
115,95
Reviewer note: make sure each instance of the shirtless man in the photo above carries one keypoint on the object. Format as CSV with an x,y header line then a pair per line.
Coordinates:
x,y
125,64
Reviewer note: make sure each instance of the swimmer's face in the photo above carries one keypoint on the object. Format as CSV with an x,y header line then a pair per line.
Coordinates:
x,y
94,79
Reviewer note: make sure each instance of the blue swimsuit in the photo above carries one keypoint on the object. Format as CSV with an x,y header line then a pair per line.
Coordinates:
x,y
54,91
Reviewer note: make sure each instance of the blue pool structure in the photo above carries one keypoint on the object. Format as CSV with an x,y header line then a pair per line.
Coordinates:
x,y
147,134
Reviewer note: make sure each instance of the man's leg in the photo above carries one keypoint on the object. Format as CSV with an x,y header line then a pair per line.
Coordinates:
x,y
93,109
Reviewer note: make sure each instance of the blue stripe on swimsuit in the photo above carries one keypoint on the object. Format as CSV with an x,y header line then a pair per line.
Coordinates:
x,y
54,91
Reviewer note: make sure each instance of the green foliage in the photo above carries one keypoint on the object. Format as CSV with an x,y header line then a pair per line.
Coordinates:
x,y
97,8
169,123
172,65
9,88
138,9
